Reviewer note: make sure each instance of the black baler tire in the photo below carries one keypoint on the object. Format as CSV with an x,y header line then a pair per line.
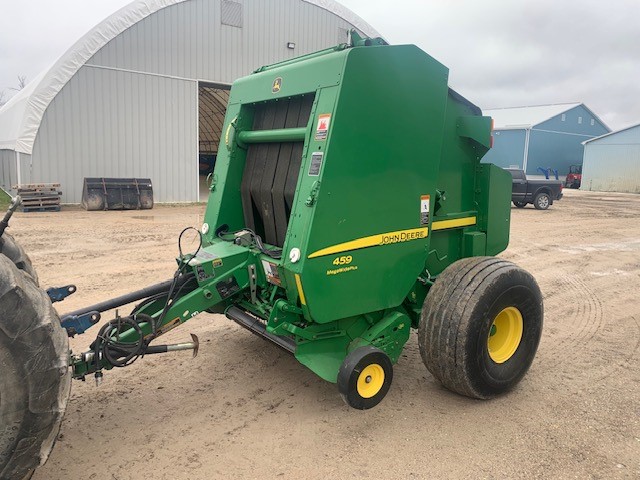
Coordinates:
x,y
456,319
536,201
35,379
12,250
350,369
520,204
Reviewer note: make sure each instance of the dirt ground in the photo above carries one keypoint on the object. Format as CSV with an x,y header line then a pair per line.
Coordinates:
x,y
244,409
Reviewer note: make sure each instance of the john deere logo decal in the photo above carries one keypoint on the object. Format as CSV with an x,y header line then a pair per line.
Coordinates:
x,y
277,85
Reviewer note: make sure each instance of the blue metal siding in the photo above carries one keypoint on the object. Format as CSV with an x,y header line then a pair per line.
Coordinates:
x,y
508,148
571,125
557,143
555,150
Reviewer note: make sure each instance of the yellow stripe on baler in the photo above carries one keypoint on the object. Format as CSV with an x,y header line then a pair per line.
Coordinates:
x,y
300,291
454,223
388,238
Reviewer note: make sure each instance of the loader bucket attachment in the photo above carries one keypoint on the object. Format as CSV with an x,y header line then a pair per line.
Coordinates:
x,y
117,194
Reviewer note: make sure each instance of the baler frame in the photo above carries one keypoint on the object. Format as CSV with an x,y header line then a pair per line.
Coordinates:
x,y
348,205
272,287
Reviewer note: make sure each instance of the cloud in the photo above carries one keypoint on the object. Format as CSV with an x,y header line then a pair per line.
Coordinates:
x,y
499,53
517,53
34,33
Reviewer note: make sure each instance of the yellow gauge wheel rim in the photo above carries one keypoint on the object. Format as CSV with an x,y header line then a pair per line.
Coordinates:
x,y
505,334
370,380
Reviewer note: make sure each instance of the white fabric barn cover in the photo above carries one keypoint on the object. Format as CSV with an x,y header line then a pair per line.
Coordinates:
x,y
20,118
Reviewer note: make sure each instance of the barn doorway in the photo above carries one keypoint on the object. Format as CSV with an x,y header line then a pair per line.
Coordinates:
x,y
212,106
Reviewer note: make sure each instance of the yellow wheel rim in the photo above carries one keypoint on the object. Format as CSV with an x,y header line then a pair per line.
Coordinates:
x,y
370,380
505,334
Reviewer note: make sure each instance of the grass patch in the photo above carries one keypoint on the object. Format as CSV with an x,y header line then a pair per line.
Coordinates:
x,y
5,201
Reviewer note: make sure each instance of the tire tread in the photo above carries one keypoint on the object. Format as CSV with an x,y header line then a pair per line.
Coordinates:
x,y
454,295
34,347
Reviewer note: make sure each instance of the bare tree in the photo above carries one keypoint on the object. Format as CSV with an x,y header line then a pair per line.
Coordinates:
x,y
22,82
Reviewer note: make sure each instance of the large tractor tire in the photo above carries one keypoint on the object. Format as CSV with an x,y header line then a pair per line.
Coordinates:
x,y
12,250
34,378
480,326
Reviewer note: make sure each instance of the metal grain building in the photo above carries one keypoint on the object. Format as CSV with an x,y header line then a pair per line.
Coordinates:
x,y
144,93
542,136
612,162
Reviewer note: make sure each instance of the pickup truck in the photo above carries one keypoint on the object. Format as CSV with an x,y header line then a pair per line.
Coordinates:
x,y
541,193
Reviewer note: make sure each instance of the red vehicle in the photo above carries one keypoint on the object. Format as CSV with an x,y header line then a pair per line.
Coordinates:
x,y
574,177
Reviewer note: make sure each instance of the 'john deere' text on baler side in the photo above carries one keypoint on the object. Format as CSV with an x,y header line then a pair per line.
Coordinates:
x,y
348,188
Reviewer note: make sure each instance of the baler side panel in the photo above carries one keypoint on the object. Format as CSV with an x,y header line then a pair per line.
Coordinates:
x,y
380,158
456,180
225,204
494,198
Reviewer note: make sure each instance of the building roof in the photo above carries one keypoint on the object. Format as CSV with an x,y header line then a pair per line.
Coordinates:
x,y
611,133
20,117
526,117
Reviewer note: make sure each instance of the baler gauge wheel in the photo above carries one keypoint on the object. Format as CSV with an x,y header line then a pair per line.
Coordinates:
x,y
365,377
370,380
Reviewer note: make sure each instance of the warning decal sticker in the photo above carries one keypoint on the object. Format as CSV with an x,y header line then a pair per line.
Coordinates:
x,y
271,272
323,126
424,210
316,164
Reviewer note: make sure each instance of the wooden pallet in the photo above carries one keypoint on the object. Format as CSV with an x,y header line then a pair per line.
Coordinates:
x,y
39,197
49,208
40,193
34,186
39,202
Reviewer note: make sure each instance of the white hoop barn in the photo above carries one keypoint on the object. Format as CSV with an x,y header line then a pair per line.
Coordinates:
x,y
144,93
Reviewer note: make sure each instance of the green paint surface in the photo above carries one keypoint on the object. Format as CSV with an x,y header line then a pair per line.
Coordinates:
x,y
398,142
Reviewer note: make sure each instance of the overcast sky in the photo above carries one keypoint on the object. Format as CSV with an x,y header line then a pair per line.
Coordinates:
x,y
500,52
